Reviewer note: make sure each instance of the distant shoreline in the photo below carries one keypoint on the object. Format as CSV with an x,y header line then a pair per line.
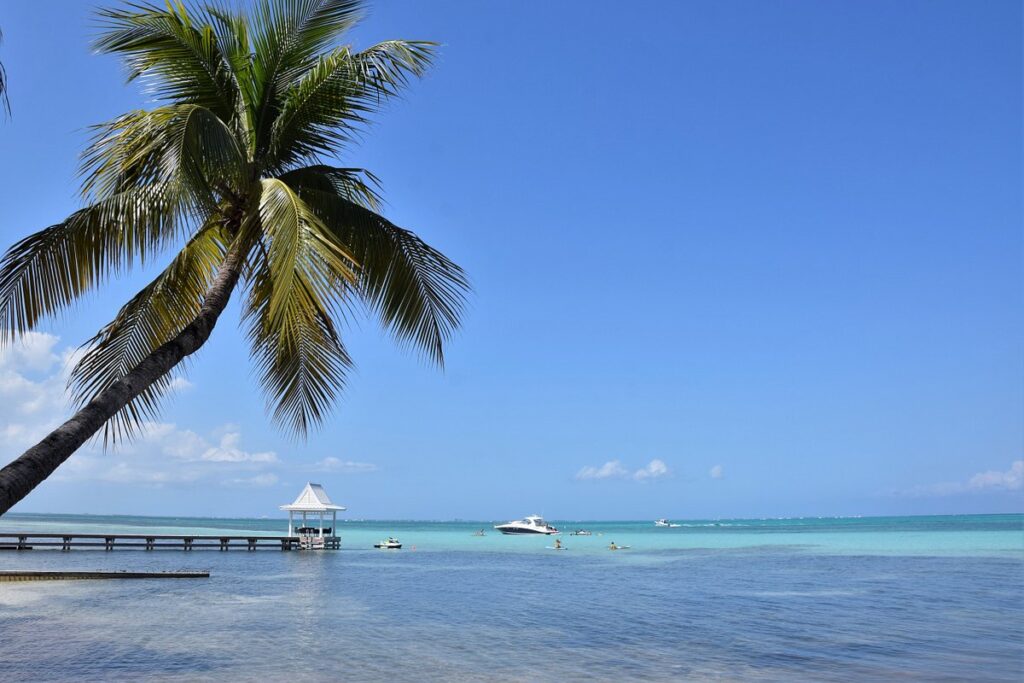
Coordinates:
x,y
376,520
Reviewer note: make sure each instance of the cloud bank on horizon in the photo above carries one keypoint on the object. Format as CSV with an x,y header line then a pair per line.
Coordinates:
x,y
1011,479
614,469
33,380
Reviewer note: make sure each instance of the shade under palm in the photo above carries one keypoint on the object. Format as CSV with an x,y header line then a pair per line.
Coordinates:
x,y
231,165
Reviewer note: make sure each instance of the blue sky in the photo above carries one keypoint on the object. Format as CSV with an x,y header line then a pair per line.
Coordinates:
x,y
729,259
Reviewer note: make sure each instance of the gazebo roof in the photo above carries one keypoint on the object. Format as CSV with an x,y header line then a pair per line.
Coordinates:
x,y
312,499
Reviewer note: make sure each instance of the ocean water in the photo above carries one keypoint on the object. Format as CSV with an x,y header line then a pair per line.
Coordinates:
x,y
866,599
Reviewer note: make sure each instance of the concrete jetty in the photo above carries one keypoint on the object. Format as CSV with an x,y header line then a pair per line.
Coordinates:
x,y
9,576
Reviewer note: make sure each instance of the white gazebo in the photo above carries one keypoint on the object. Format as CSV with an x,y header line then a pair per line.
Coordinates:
x,y
313,500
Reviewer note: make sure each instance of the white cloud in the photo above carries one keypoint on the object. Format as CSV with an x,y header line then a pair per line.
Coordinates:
x,y
32,352
163,455
653,470
716,472
1011,480
228,451
166,438
332,464
990,480
179,384
32,391
612,469
33,394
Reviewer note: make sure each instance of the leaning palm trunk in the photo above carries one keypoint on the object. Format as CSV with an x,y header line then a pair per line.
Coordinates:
x,y
37,463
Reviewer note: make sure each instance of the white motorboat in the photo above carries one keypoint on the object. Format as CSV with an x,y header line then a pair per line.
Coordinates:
x,y
391,543
665,523
534,524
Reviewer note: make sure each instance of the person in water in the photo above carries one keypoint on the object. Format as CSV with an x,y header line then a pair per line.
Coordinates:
x,y
612,546
558,544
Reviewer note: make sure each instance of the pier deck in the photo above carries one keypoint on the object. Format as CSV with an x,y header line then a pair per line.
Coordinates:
x,y
9,576
23,540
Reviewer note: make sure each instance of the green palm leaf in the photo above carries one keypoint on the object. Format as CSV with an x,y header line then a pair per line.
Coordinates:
x,y
321,111
175,49
182,146
418,292
151,318
4,102
50,269
298,283
287,36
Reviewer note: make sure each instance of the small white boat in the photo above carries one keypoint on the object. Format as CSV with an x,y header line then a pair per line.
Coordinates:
x,y
391,543
665,523
534,524
581,532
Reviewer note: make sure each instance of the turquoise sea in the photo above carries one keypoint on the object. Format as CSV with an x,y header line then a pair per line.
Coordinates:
x,y
852,599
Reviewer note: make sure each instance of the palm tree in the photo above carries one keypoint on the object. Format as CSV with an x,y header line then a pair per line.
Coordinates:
x,y
232,168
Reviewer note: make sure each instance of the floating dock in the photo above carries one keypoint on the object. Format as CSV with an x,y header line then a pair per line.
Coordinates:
x,y
19,540
9,576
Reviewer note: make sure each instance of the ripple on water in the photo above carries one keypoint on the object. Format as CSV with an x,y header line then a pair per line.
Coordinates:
x,y
767,613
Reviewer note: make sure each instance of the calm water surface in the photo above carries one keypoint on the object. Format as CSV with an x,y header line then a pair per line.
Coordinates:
x,y
874,599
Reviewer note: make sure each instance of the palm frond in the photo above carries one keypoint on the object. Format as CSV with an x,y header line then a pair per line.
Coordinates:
x,y
5,104
176,49
354,184
151,318
182,146
296,279
287,36
302,254
232,31
50,269
322,111
417,291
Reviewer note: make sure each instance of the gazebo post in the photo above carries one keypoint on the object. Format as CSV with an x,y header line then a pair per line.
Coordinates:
x,y
321,524
334,522
291,526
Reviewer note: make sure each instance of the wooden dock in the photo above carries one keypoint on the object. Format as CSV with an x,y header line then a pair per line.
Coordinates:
x,y
19,540
9,576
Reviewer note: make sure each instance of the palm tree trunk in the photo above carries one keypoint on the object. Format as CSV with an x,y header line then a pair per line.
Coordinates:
x,y
37,463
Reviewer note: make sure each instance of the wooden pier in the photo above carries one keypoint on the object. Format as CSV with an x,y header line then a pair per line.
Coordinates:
x,y
9,576
19,540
